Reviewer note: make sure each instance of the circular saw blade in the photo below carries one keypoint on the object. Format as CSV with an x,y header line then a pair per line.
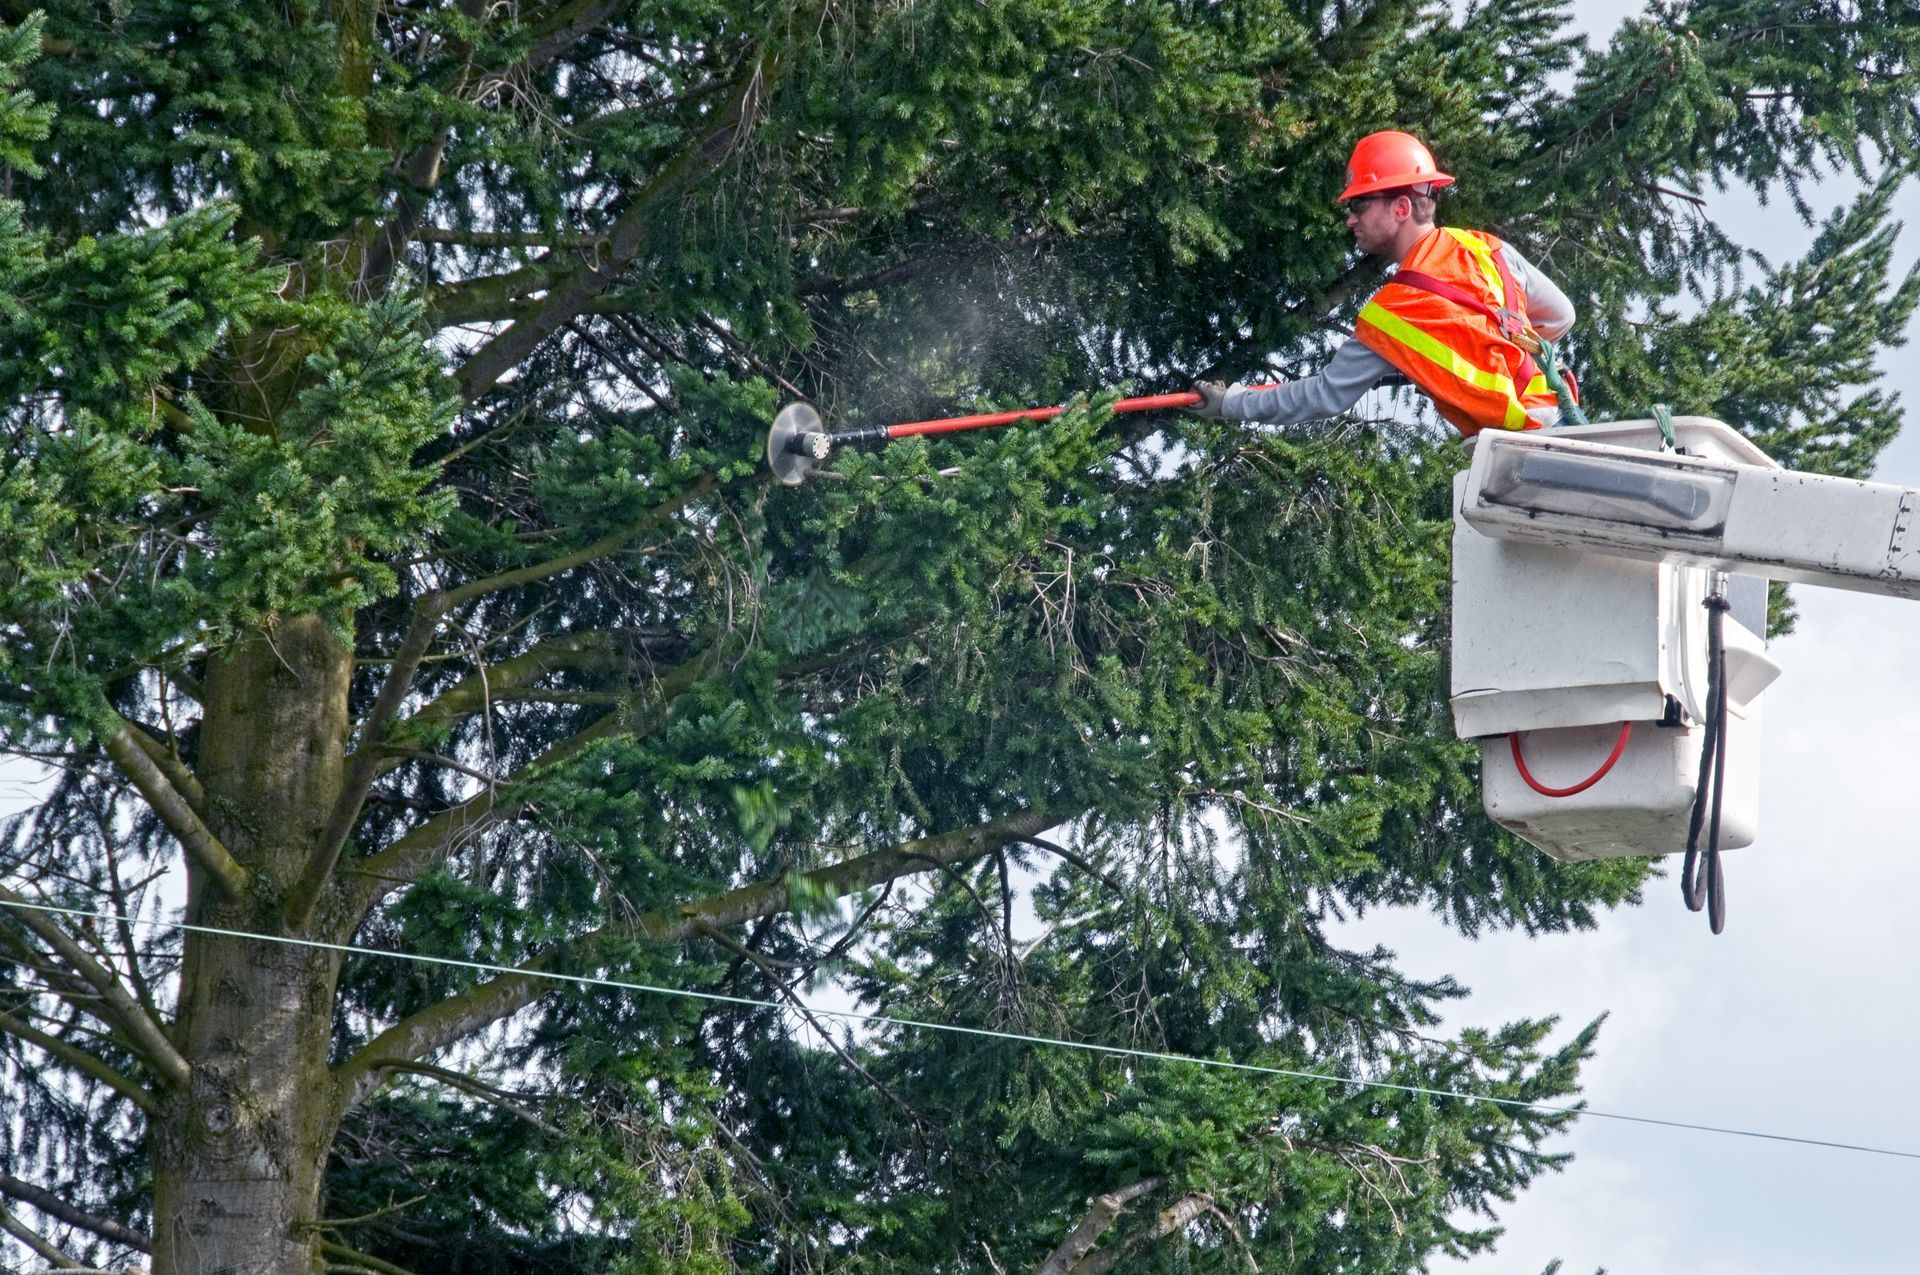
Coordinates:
x,y
790,465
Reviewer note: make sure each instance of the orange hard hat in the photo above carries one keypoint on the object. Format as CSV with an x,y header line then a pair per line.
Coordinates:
x,y
1388,161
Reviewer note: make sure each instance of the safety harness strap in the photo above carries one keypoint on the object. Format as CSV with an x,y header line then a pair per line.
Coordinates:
x,y
1504,319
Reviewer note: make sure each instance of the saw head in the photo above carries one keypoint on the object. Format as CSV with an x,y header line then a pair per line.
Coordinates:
x,y
796,443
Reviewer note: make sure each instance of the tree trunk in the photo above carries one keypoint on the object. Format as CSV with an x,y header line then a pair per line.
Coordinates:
x,y
238,1158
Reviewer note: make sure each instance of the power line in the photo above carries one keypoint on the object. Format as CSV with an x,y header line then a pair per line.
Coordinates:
x,y
958,1029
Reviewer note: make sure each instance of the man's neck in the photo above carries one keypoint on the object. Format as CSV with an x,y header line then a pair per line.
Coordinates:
x,y
1405,239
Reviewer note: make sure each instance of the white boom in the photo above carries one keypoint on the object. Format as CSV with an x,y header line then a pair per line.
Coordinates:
x,y
1574,490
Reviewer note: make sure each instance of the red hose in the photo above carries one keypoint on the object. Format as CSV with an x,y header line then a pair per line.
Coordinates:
x,y
1620,746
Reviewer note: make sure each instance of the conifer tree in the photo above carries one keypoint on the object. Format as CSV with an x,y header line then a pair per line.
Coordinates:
x,y
390,565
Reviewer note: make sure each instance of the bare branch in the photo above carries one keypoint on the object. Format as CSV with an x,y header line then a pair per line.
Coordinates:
x,y
496,239
420,174
1078,861
19,1230
79,1060
121,1009
177,772
175,811
55,1206
1169,1220
436,759
565,27
486,298
1104,1211
439,1025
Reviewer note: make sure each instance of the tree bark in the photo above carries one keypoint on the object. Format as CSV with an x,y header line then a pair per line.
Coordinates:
x,y
1101,1214
238,1152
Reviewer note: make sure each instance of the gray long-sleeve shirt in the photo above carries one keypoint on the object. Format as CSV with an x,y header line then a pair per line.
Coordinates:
x,y
1355,369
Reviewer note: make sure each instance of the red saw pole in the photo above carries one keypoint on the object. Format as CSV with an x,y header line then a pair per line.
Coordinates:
x,y
799,441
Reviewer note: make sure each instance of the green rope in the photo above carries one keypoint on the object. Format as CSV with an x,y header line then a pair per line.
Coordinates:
x,y
1549,364
1664,419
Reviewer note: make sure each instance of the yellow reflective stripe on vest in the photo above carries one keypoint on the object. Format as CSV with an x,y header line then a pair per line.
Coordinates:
x,y
1483,255
1446,358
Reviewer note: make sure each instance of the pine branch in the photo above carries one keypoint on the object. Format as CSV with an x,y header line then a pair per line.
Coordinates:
x,y
422,170
583,651
634,376
122,1011
933,263
405,858
78,1059
610,543
56,1207
820,1029
400,862
628,237
862,872
493,1095
743,354
176,811
458,1017
366,763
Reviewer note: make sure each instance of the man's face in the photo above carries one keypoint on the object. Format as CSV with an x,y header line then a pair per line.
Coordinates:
x,y
1374,223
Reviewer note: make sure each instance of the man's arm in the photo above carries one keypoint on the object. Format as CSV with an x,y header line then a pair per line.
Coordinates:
x,y
1353,370
1548,308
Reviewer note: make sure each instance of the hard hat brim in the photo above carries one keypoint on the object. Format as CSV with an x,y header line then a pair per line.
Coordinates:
x,y
1373,185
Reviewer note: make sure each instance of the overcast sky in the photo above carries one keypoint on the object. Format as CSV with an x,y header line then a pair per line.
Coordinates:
x,y
1799,1019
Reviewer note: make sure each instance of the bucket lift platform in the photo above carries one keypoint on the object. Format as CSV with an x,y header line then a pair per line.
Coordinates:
x,y
1564,658
1582,559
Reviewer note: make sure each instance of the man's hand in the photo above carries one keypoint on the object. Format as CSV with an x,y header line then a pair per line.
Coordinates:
x,y
1212,395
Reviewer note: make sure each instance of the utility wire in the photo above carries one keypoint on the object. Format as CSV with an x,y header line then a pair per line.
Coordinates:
x,y
883,1020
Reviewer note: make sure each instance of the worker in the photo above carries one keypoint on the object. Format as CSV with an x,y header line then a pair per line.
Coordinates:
x,y
1453,319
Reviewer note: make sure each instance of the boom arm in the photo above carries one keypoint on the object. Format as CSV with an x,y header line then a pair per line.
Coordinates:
x,y
1745,516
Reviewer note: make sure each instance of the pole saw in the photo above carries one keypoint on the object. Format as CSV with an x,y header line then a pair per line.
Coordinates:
x,y
799,440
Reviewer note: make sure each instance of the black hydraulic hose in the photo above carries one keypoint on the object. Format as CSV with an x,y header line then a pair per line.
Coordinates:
x,y
1716,888
1707,887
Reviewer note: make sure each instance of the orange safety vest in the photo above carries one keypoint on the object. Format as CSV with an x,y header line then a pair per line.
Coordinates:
x,y
1447,320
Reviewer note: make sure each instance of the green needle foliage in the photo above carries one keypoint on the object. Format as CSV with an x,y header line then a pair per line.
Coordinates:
x,y
390,560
